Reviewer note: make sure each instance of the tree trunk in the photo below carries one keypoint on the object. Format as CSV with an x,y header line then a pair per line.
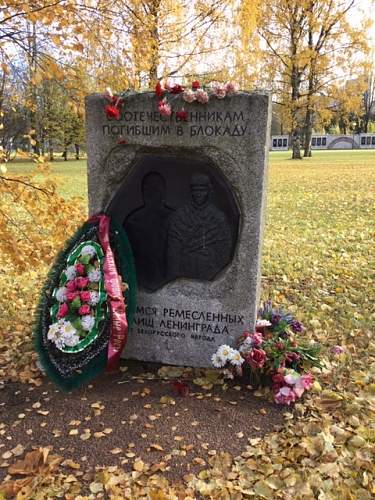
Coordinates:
x,y
50,150
296,144
308,132
155,42
76,147
65,154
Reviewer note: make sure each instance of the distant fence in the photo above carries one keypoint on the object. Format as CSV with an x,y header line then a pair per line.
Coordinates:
x,y
329,141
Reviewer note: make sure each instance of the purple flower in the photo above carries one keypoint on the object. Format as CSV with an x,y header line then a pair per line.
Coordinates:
x,y
275,318
296,326
338,349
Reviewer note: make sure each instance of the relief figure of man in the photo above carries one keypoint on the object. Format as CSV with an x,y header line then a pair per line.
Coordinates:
x,y
199,236
147,229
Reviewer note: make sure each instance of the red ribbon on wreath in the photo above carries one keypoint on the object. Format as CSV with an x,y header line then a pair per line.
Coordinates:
x,y
118,329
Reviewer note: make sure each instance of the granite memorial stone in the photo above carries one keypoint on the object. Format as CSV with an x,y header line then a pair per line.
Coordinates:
x,y
191,198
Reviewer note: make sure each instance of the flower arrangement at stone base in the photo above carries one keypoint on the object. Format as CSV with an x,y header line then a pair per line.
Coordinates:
x,y
274,355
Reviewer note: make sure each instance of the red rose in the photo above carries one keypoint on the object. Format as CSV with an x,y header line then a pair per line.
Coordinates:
x,y
72,296
256,358
195,85
70,286
63,311
176,89
85,296
159,89
245,335
112,112
80,268
83,310
291,357
182,115
82,282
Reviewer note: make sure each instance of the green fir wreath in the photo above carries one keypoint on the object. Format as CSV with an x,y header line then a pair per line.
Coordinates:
x,y
71,366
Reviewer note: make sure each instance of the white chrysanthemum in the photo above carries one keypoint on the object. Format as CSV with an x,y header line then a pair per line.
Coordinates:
x,y
87,322
94,276
218,361
88,250
67,328
224,352
70,272
236,359
53,332
70,340
262,323
61,294
94,298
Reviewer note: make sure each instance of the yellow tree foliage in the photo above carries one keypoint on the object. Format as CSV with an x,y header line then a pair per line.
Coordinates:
x,y
308,45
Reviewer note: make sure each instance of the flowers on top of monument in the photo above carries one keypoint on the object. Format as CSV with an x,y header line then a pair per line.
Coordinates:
x,y
182,115
195,85
164,108
188,96
159,89
112,112
219,90
176,89
231,88
202,96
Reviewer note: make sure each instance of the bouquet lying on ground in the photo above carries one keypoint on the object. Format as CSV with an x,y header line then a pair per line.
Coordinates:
x,y
273,355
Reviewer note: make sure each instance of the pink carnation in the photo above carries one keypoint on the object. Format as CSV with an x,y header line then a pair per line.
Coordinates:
x,y
220,91
80,268
70,296
83,310
164,108
231,88
71,286
257,339
201,96
307,380
285,396
82,282
85,296
63,311
188,95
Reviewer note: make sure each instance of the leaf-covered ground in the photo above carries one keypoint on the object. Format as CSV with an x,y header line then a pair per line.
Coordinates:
x,y
318,262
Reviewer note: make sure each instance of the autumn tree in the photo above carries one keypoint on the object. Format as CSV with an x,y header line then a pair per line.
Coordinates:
x,y
368,99
308,44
